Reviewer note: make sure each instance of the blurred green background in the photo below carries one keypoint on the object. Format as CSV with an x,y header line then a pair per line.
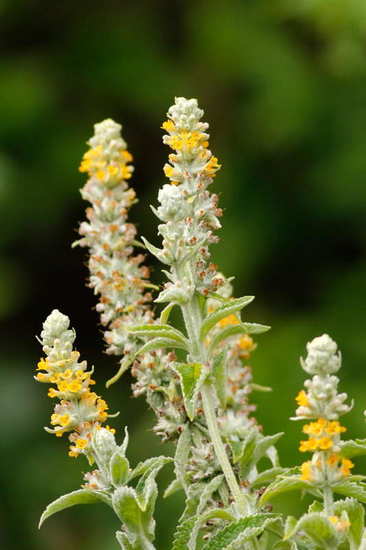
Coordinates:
x,y
283,86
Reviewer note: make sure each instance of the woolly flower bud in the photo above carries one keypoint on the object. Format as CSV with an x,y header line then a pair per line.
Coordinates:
x,y
55,327
107,133
186,114
104,444
322,356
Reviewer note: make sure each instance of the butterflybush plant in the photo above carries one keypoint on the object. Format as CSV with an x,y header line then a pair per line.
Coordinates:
x,y
196,379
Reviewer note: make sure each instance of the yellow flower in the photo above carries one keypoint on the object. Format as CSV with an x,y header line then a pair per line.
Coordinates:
x,y
306,473
346,467
309,445
334,428
325,443
81,443
339,523
229,320
302,399
43,364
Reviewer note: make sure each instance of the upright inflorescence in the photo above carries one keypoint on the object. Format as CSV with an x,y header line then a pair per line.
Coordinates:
x,y
322,402
116,274
79,411
189,211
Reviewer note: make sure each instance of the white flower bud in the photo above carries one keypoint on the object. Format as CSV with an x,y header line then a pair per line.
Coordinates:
x,y
173,204
185,113
322,356
56,327
104,444
106,132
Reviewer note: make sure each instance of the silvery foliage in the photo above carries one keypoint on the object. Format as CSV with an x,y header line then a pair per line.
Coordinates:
x,y
198,384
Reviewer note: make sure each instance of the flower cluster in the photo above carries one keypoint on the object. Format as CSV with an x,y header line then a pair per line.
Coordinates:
x,y
322,402
189,211
80,410
116,275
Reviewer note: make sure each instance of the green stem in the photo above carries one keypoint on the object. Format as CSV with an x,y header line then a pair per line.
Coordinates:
x,y
193,320
328,500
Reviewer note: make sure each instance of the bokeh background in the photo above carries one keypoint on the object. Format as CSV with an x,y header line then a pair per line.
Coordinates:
x,y
283,86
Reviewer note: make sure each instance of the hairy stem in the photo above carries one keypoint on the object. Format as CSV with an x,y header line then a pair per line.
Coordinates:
x,y
193,320
328,500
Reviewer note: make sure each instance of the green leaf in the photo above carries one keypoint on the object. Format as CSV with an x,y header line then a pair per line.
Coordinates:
x,y
209,489
353,448
255,328
283,485
124,501
172,488
230,307
160,343
318,528
219,377
165,314
124,543
182,453
119,468
238,532
192,376
146,486
81,496
158,252
126,362
224,333
267,476
350,489
356,515
158,331
151,464
263,444
183,533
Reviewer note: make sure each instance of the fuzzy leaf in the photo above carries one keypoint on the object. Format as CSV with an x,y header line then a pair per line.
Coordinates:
x,y
238,532
151,464
183,533
226,332
182,455
126,507
283,485
318,528
81,496
353,448
192,376
119,468
172,488
146,486
158,331
160,343
165,314
230,307
267,476
158,252
350,489
208,491
124,543
264,444
219,378
255,328
356,515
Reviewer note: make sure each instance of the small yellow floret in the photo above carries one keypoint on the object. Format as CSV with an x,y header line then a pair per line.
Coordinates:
x,y
81,443
302,399
340,524
346,467
229,320
306,473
